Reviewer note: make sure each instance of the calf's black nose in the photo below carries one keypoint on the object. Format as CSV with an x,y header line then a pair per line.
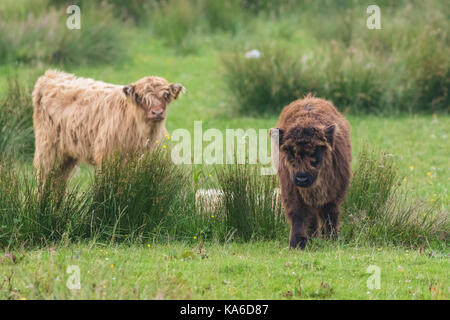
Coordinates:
x,y
303,179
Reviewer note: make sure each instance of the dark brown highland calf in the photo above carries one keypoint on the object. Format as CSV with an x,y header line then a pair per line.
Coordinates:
x,y
314,167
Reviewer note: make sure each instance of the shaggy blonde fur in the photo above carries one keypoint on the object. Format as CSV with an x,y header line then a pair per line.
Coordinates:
x,y
78,119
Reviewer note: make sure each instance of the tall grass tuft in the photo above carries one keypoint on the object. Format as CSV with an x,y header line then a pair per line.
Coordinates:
x,y
251,204
373,183
144,198
29,217
16,122
139,197
378,211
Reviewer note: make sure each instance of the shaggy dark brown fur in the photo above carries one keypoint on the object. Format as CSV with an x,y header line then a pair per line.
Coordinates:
x,y
314,167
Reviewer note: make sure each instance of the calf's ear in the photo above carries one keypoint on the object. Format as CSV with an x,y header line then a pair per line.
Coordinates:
x,y
277,132
176,89
329,133
128,90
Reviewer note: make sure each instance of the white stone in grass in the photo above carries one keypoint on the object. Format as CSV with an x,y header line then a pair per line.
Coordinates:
x,y
253,54
209,200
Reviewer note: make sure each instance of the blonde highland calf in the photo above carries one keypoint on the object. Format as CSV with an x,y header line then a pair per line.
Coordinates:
x,y
78,119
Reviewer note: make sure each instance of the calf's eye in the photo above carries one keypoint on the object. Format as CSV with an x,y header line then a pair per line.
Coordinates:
x,y
166,97
315,163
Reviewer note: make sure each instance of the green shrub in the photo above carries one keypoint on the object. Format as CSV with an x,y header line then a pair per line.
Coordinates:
x,y
373,182
142,199
184,24
145,196
271,7
44,38
251,205
377,211
427,67
136,10
222,15
175,22
354,80
404,67
32,218
267,84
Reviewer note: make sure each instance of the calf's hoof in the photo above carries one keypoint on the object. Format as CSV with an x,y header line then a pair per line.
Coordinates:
x,y
298,242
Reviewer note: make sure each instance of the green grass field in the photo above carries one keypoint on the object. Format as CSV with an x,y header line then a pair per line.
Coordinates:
x,y
197,268
267,270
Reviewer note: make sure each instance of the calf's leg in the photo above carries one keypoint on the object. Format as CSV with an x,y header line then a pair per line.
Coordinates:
x,y
298,237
